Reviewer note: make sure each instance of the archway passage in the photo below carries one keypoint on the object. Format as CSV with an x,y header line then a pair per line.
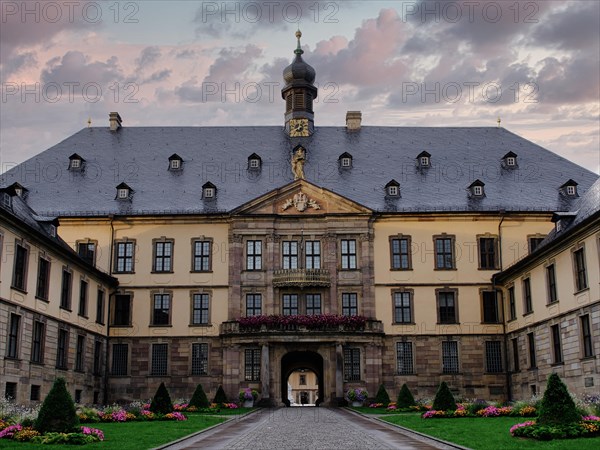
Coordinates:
x,y
301,361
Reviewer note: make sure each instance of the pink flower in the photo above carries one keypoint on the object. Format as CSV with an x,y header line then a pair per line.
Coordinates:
x,y
93,431
520,425
591,418
10,431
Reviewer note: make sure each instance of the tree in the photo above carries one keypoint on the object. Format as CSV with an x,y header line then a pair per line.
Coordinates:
x,y
57,413
382,395
199,399
161,403
220,396
444,400
405,398
557,408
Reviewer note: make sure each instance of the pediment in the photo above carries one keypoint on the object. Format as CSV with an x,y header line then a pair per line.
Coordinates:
x,y
301,198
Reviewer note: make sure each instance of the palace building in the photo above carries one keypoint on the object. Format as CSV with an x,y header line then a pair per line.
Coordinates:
x,y
249,256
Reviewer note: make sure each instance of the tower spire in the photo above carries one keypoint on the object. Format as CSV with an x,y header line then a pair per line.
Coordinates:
x,y
298,50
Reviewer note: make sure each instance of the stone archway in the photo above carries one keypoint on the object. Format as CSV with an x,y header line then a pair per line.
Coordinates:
x,y
301,360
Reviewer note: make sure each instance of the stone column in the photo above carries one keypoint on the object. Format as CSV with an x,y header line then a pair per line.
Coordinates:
x,y
265,374
236,265
339,373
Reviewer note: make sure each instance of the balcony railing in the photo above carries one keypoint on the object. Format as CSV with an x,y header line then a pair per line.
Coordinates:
x,y
302,324
301,278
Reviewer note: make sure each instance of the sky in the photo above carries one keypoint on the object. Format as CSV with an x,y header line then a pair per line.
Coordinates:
x,y
533,64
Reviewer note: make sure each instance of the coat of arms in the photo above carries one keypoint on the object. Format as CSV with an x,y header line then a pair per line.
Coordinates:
x,y
300,201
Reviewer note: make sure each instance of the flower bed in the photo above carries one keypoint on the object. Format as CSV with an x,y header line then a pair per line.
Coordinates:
x,y
588,427
85,435
473,410
135,413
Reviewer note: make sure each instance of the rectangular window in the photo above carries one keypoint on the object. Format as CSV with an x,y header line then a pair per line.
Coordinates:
x,y
62,350
10,391
253,305
313,254
531,348
200,303
83,298
444,253
350,304
527,303
124,257
404,358
534,242
290,254
202,257
120,355
159,359
65,290
290,304
161,309
400,249
515,352
351,364
43,279
199,359
551,284
122,316
491,312
79,353
447,308
348,253
97,357
163,254
586,336
302,380
493,357
100,307
34,395
254,255
450,357
402,307
19,280
488,253
556,344
12,349
313,304
252,364
580,269
37,342
87,252
512,304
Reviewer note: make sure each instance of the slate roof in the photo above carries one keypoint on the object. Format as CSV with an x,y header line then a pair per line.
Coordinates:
x,y
139,157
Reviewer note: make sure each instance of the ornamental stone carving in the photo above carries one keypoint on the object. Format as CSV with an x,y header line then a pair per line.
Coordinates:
x,y
301,202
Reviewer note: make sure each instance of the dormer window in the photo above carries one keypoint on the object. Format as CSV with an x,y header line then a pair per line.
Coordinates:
x,y
254,161
476,188
123,191
209,191
424,159
18,190
175,162
6,199
510,160
345,160
53,230
75,162
569,188
392,189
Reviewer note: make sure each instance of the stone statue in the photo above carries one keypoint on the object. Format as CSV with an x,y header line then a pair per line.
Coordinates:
x,y
298,160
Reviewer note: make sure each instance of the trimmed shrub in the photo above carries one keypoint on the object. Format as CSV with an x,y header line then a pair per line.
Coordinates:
x,y
557,408
161,403
199,399
220,396
57,413
382,396
444,400
405,398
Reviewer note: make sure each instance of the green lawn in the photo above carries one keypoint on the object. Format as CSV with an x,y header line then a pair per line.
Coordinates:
x,y
486,433
132,435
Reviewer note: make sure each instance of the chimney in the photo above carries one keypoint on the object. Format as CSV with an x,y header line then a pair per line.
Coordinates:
x,y
353,119
115,121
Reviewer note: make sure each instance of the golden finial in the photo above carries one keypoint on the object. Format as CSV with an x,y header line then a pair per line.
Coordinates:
x,y
89,122
498,121
298,34
298,50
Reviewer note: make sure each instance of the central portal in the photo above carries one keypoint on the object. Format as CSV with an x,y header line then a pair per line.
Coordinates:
x,y
293,365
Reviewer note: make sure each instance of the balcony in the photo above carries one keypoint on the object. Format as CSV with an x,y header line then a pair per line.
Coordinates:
x,y
327,323
301,278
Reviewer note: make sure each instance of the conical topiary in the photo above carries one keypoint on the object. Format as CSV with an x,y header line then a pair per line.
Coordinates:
x,y
405,398
161,403
557,407
57,413
382,396
220,396
444,400
199,399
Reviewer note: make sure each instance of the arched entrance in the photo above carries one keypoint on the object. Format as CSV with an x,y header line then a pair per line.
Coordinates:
x,y
298,361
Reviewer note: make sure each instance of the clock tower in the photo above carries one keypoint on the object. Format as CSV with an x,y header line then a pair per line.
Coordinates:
x,y
299,92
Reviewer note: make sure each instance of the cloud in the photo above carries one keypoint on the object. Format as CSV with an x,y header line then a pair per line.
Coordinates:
x,y
73,67
157,77
232,63
147,58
